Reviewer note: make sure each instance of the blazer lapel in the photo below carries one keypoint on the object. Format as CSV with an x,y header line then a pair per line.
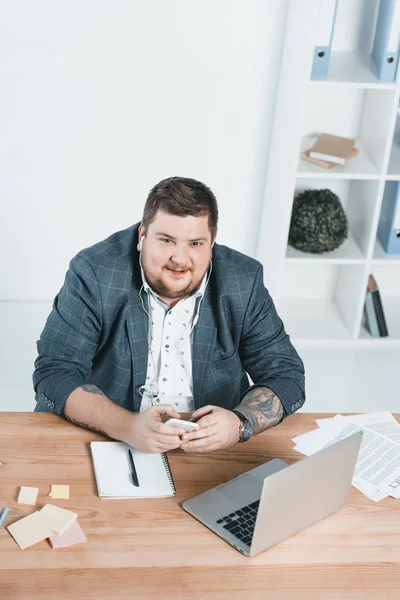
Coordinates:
x,y
203,346
137,328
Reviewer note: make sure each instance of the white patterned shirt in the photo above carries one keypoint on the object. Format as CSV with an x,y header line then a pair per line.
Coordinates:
x,y
169,366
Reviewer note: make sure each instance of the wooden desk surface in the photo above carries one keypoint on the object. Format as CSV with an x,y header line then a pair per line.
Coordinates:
x,y
153,549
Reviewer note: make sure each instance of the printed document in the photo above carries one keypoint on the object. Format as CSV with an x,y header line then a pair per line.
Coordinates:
x,y
377,472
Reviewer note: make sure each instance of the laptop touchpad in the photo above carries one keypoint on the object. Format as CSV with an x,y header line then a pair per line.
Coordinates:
x,y
243,490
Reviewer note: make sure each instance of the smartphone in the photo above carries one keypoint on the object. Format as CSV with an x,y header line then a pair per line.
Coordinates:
x,y
186,425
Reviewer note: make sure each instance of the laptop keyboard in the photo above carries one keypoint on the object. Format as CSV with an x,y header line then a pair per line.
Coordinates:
x,y
241,523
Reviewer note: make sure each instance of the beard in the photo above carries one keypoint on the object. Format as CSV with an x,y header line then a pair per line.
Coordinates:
x,y
162,290
165,292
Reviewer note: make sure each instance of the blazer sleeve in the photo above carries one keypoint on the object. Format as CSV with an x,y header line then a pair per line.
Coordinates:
x,y
70,338
267,353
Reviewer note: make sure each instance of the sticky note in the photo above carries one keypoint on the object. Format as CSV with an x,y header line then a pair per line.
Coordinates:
x,y
27,495
59,491
57,518
72,536
30,530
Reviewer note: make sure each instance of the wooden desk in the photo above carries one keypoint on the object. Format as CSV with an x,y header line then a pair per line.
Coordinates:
x,y
153,549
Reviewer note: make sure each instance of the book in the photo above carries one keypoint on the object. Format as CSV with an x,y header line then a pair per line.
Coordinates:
x,y
324,163
374,315
332,148
113,472
370,316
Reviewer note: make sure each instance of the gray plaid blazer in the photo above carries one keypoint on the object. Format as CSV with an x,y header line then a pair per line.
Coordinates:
x,y
97,333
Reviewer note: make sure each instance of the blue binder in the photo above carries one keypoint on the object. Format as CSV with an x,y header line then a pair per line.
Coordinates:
x,y
389,220
385,52
323,38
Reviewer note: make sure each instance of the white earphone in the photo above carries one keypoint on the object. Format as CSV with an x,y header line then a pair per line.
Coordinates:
x,y
141,242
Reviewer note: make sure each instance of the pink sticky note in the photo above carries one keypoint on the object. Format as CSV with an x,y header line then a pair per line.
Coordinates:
x,y
73,535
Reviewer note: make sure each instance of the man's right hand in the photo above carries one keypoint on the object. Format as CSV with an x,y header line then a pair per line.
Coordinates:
x,y
147,433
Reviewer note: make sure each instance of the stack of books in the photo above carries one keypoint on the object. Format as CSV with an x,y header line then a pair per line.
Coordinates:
x,y
330,151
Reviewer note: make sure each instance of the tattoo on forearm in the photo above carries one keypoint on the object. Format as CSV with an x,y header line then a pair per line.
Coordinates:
x,y
88,387
262,407
85,425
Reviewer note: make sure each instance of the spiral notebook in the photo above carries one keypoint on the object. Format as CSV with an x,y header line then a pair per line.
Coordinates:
x,y
113,472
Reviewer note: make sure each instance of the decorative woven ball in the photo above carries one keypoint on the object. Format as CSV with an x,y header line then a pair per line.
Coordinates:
x,y
319,223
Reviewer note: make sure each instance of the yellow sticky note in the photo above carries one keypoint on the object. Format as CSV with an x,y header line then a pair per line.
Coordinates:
x,y
27,495
57,518
59,491
30,530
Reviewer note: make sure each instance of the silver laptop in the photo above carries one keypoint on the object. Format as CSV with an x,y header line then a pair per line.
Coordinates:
x,y
274,501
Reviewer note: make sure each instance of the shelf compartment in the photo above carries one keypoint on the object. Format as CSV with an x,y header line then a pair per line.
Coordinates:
x,y
387,278
310,319
363,114
321,301
351,63
359,167
352,69
348,252
358,199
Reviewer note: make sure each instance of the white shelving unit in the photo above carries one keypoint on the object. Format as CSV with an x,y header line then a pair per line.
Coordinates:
x,y
321,297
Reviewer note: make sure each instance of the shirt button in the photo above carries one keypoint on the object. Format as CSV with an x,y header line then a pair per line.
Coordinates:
x,y
164,379
167,345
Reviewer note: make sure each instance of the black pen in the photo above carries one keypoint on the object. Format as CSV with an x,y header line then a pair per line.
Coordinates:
x,y
134,474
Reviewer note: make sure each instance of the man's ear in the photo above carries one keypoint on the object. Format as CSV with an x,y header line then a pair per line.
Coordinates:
x,y
140,234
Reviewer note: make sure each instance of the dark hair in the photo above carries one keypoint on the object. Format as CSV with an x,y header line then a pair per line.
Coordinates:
x,y
182,196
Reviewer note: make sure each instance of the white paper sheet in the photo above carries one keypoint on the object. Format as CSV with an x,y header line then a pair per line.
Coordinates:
x,y
377,472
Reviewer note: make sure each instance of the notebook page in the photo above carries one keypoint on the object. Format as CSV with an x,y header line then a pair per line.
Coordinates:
x,y
113,472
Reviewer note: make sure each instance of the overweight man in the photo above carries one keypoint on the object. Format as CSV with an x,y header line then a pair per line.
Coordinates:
x,y
159,320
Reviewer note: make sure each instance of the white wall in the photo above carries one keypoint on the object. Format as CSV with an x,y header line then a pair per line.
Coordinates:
x,y
101,99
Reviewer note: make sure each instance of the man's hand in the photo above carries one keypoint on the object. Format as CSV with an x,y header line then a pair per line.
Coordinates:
x,y
147,433
219,428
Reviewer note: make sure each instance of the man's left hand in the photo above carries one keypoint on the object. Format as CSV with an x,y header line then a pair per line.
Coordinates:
x,y
218,429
